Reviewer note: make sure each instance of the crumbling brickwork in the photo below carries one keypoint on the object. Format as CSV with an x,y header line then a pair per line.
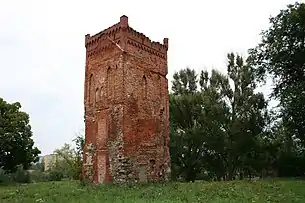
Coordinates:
x,y
126,107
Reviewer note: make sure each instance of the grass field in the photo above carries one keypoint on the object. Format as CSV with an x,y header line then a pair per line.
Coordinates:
x,y
236,191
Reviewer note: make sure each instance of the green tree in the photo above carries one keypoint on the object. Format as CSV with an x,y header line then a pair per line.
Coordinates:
x,y
79,143
280,55
237,116
218,129
187,142
185,81
16,143
69,159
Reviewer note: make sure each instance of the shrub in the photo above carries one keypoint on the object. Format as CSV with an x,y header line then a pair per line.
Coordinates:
x,y
4,177
39,176
21,176
55,175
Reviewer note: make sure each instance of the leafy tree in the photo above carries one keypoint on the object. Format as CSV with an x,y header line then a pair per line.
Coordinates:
x,y
79,142
218,129
241,115
280,55
289,159
185,81
186,135
16,143
69,160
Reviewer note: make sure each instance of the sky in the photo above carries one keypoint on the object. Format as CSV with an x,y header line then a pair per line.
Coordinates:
x,y
42,48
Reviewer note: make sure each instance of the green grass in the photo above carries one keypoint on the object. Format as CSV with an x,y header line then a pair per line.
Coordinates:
x,y
236,191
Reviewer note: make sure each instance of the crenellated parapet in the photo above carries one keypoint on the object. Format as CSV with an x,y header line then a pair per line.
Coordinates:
x,y
100,42
141,38
109,32
140,41
122,34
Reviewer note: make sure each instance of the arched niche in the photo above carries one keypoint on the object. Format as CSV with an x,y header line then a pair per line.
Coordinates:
x,y
144,86
91,92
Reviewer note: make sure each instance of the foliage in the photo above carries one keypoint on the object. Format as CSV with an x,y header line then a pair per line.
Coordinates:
x,y
79,142
233,191
67,166
280,55
186,144
19,176
4,177
16,143
217,129
68,162
56,175
40,176
185,81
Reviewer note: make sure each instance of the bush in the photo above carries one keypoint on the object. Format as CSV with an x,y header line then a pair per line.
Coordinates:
x,y
39,176
55,175
4,177
21,176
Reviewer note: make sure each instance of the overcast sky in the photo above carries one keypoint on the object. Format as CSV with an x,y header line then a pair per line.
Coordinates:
x,y
42,53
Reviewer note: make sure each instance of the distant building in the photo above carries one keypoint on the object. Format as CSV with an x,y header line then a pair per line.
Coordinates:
x,y
49,160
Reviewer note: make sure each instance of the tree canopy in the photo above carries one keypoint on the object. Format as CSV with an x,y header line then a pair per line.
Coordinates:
x,y
216,127
281,55
16,143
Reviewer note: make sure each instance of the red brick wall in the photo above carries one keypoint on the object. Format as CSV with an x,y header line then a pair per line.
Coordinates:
x,y
126,107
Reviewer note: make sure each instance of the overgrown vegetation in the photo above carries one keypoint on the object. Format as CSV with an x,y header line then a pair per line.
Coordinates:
x,y
68,164
228,191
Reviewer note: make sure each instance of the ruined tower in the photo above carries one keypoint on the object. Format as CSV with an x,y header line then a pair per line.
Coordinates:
x,y
126,107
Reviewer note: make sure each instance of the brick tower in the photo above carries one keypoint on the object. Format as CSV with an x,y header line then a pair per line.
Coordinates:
x,y
126,107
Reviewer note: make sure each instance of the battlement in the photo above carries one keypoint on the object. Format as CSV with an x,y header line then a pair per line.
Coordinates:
x,y
111,31
133,37
141,38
